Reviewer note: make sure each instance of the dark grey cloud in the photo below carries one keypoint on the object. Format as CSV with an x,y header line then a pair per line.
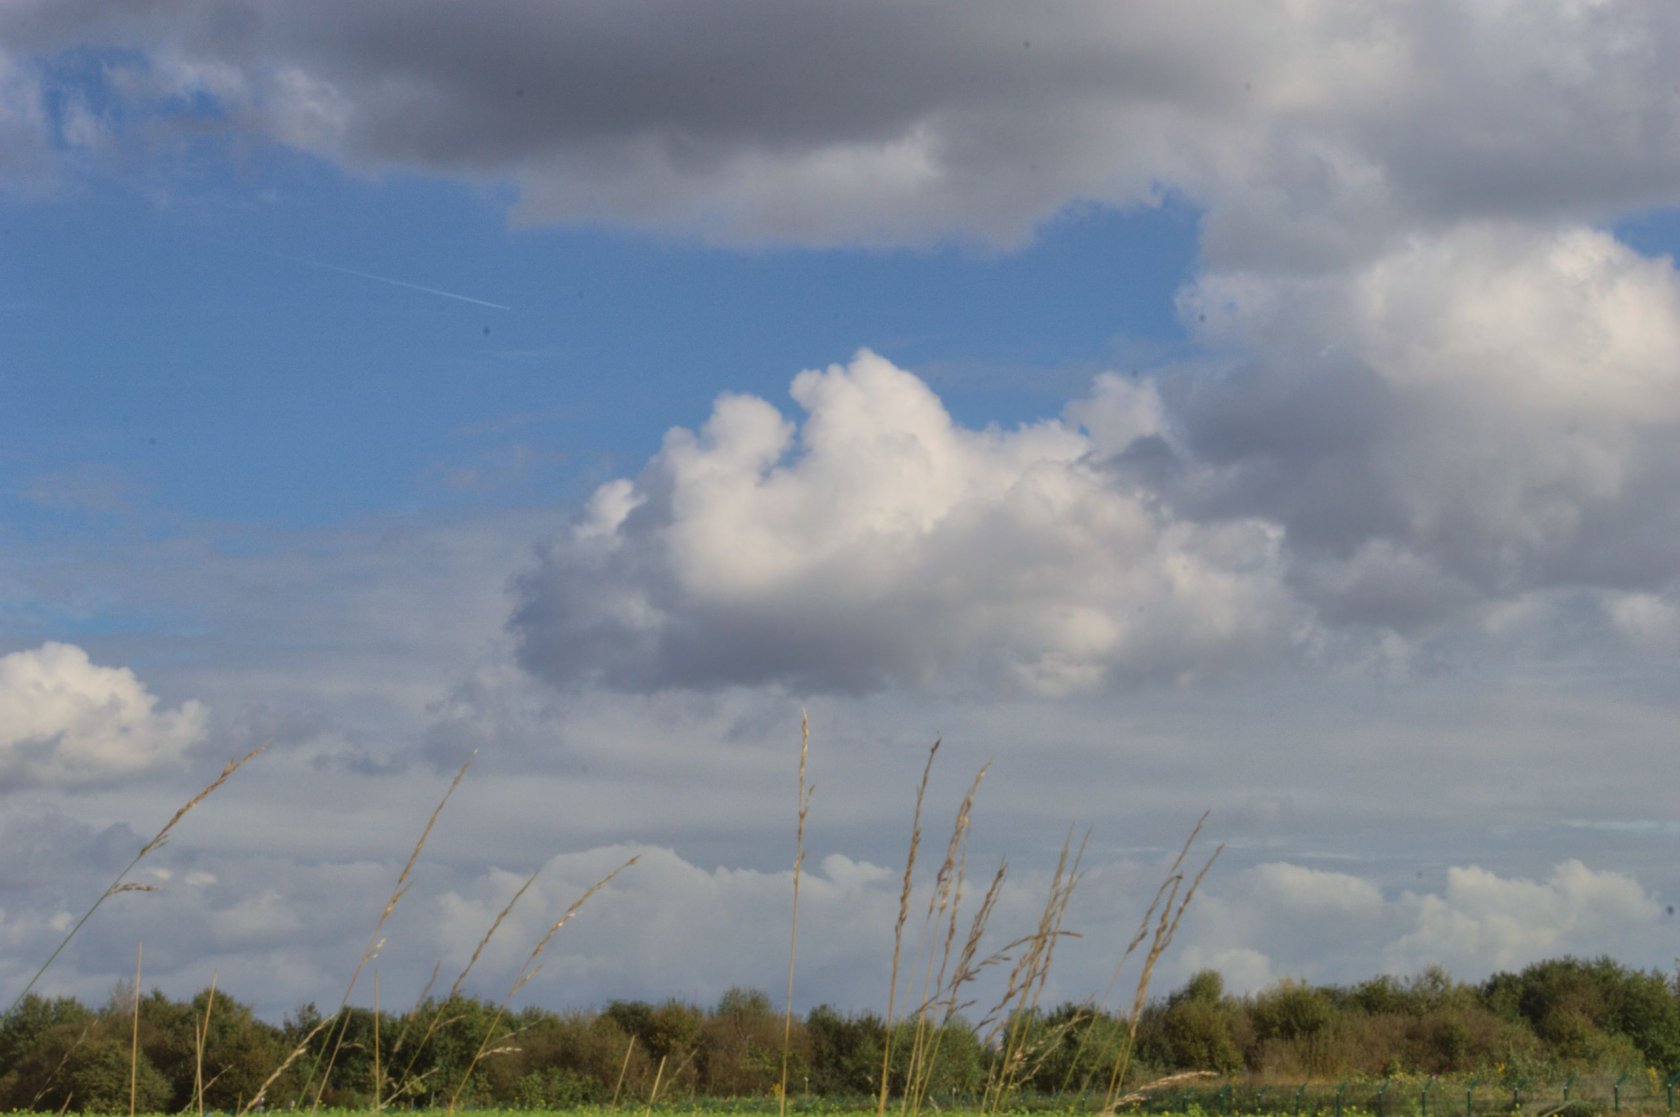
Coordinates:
x,y
1311,133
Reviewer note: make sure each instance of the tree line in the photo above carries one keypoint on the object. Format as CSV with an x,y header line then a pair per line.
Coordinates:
x,y
1565,1015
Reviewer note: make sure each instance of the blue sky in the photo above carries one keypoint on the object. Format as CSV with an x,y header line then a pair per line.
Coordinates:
x,y
208,348
1269,413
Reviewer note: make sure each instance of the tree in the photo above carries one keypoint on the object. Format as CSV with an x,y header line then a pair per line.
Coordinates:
x,y
1295,1014
741,1045
845,1052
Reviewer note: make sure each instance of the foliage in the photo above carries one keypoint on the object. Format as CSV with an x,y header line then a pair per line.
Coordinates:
x,y
1544,1023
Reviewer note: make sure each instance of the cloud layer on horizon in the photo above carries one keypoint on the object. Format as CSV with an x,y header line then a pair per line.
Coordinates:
x,y
279,931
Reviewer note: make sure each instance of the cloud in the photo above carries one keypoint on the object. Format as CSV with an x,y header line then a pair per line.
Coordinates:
x,y
279,930
1469,442
1282,920
1485,922
46,847
645,934
1276,916
27,158
1310,131
68,722
883,542
1476,415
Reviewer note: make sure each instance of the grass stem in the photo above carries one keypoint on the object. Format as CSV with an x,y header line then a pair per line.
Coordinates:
x,y
804,802
134,1040
121,883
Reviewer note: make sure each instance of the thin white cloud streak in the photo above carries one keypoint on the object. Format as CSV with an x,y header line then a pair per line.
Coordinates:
x,y
395,282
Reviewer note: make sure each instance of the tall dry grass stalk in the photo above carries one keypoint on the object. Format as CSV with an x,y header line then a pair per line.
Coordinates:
x,y
898,930
134,1040
297,1053
121,883
533,966
804,802
1010,1028
1013,1016
375,942
378,1079
408,1083
1144,1093
653,1094
1095,1004
201,1037
944,905
622,1070
63,1061
1171,900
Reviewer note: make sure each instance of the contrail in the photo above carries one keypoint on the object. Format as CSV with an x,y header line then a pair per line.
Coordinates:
x,y
397,282
308,263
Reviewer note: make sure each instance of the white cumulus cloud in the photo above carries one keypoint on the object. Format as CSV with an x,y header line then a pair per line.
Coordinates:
x,y
66,721
881,541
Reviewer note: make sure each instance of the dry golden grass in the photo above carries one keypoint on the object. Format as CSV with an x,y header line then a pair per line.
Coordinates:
x,y
297,1053
946,960
1015,1011
134,1040
1171,899
804,802
1143,1093
375,943
201,1036
533,964
947,970
938,990
408,1083
898,928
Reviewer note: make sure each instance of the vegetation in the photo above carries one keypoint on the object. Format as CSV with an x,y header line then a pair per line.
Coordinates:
x,y
1553,1019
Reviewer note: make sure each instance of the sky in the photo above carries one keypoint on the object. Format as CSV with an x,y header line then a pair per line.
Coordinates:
x,y
1269,410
